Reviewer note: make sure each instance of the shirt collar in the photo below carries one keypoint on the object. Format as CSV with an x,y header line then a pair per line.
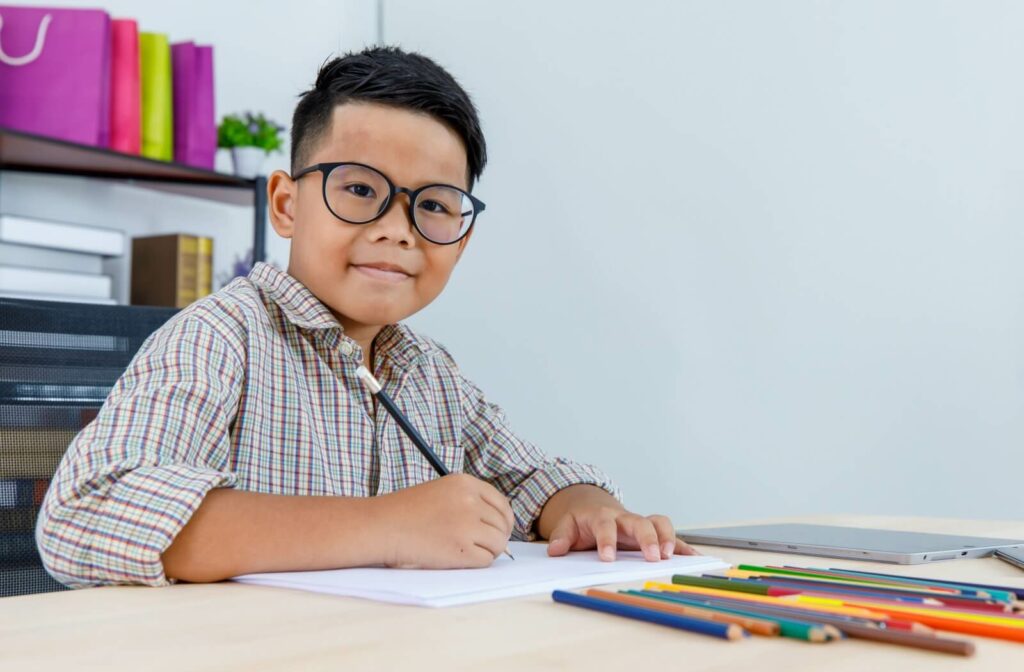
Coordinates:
x,y
298,304
302,308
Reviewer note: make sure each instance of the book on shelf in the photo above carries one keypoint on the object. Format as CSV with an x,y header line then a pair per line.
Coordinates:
x,y
17,254
61,235
58,297
171,270
24,280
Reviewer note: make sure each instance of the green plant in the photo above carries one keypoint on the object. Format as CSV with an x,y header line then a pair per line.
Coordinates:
x,y
249,130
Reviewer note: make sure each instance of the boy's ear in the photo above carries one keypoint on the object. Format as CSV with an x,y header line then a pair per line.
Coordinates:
x,y
462,244
282,194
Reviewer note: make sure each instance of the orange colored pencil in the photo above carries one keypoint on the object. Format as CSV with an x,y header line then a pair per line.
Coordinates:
x,y
755,625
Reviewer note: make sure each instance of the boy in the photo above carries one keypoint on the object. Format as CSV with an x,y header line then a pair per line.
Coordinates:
x,y
239,439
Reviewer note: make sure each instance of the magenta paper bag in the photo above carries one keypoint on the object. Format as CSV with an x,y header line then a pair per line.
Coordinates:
x,y
125,91
55,73
195,128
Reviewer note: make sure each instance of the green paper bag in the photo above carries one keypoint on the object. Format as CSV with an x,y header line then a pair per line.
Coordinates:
x,y
157,104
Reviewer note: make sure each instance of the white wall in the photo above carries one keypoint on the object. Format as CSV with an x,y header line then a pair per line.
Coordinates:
x,y
753,258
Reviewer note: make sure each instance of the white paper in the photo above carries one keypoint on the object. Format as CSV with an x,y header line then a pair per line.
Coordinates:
x,y
531,572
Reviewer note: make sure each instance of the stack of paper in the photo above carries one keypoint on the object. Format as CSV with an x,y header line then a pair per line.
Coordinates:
x,y
531,572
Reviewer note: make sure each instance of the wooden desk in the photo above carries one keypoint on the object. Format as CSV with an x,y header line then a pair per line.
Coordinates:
x,y
230,626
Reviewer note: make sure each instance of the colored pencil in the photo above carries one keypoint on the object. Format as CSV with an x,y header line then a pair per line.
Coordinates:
x,y
852,627
802,586
788,610
998,595
926,597
727,631
818,574
949,621
789,625
1006,621
712,592
1019,592
753,588
1016,592
757,626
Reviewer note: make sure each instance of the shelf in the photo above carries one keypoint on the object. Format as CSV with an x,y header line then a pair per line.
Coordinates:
x,y
30,153
26,152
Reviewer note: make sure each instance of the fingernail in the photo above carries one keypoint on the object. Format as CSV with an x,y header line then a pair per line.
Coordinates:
x,y
668,548
606,553
651,552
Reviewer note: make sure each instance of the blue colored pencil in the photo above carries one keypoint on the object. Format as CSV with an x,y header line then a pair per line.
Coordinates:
x,y
729,631
961,585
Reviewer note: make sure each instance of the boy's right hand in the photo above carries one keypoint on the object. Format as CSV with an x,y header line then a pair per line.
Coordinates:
x,y
456,521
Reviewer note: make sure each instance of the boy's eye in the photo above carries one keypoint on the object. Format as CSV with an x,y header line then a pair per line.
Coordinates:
x,y
434,207
361,190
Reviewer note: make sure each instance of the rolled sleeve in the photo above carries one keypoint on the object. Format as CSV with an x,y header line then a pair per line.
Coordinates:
x,y
516,467
135,475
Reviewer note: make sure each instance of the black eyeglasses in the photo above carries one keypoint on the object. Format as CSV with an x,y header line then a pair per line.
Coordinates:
x,y
359,194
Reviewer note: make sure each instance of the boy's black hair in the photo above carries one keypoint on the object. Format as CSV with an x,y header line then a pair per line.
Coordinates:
x,y
387,76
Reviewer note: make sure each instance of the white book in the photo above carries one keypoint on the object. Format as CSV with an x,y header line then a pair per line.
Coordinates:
x,y
56,260
57,297
61,235
40,281
531,572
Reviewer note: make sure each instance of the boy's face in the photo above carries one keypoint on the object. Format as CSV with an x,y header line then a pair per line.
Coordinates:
x,y
378,273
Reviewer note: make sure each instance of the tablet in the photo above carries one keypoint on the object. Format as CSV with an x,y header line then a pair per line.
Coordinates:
x,y
856,543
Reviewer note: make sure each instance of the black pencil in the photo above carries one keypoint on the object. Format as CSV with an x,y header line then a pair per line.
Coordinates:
x,y
378,392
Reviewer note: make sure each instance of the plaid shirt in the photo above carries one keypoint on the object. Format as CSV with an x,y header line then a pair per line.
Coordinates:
x,y
254,387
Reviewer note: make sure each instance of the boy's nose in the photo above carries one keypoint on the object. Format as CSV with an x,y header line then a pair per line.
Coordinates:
x,y
395,224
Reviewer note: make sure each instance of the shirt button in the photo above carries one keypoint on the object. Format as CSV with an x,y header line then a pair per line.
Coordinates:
x,y
346,348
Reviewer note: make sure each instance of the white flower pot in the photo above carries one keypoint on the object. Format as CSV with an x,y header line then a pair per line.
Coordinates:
x,y
247,161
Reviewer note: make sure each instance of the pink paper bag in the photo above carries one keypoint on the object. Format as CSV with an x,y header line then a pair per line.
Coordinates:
x,y
125,92
195,126
55,73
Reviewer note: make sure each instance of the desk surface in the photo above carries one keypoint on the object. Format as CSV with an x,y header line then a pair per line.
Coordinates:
x,y
232,626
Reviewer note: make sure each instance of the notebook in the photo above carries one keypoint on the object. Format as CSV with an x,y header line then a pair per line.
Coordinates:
x,y
531,572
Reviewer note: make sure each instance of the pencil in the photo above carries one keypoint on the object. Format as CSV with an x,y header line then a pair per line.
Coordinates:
x,y
377,390
1008,593
850,627
793,611
793,626
927,597
712,592
728,631
758,626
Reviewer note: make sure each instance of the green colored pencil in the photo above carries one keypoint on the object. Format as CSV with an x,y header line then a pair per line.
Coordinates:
x,y
810,632
721,584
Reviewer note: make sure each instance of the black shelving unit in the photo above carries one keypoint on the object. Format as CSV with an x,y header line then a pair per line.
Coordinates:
x,y
59,360
29,153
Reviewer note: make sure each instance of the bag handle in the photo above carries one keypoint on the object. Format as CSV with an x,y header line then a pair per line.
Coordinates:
x,y
36,50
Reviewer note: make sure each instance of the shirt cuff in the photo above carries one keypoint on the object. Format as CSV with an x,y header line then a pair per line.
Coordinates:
x,y
118,535
529,498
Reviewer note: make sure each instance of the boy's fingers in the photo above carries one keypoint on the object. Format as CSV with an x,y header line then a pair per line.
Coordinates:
x,y
563,536
646,537
666,535
499,503
683,548
605,533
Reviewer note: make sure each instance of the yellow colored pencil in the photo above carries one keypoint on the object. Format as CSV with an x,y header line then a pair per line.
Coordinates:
x,y
860,612
933,611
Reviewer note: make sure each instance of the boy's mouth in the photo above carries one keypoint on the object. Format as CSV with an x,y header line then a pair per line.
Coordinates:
x,y
384,272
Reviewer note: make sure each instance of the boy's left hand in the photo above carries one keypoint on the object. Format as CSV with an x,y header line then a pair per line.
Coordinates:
x,y
583,517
